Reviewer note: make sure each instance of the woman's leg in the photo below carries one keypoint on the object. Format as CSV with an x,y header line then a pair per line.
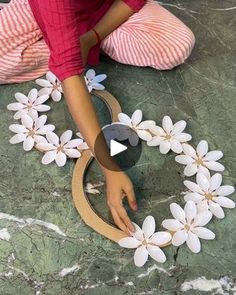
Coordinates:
x,y
151,37
23,52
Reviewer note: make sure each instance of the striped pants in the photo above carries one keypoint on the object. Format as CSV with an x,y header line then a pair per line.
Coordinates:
x,y
152,37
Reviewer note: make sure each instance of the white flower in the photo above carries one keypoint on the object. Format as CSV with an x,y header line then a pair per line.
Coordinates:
x,y
83,145
147,242
51,86
30,105
134,123
188,225
31,131
93,81
59,148
208,193
170,136
200,160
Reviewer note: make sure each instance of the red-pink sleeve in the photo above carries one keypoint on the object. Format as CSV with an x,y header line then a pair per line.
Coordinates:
x,y
136,5
62,37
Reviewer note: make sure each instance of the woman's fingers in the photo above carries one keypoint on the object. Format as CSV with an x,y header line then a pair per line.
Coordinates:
x,y
129,192
123,215
118,220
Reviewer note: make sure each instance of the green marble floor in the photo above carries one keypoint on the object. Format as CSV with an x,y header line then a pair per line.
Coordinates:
x,y
52,251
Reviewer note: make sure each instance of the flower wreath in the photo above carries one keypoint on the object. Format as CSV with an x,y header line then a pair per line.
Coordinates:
x,y
204,198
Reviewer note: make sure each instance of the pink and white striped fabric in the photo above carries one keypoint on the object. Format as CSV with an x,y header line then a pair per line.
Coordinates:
x,y
152,37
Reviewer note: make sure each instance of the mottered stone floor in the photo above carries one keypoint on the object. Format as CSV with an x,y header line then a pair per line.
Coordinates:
x,y
52,251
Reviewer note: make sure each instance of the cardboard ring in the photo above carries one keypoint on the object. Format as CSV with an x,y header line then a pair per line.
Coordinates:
x,y
81,201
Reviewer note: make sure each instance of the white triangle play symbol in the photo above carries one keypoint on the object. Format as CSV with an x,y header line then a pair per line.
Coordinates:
x,y
116,147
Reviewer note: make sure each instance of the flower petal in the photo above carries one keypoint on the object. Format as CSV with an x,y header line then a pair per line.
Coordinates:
x,y
225,190
156,253
19,137
21,98
42,108
28,143
193,197
176,146
183,137
51,77
156,130
136,117
138,233
49,157
15,106
33,94
202,148
177,212
202,182
60,159
189,150
56,95
225,202
172,224
190,169
178,127
190,211
45,146
216,210
43,83
193,242
52,138
125,119
167,124
164,147
213,156
73,153
203,233
215,182
146,124
99,78
45,91
215,166
41,99
73,143
140,256
65,137
17,128
184,159
27,121
90,74
40,121
202,218
160,238
179,237
129,242
155,141
148,226
192,186
202,205
144,135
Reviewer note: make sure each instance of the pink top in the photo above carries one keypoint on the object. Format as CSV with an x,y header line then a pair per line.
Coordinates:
x,y
62,22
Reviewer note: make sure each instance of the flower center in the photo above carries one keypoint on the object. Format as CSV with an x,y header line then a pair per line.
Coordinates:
x,y
208,196
144,242
187,227
31,133
29,105
60,149
168,137
199,162
55,86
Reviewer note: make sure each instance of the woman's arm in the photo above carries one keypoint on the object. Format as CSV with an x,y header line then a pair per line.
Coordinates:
x,y
68,64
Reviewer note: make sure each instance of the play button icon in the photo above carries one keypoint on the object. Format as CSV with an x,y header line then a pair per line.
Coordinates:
x,y
116,147
123,143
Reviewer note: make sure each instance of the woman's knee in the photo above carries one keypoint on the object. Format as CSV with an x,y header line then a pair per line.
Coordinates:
x,y
180,46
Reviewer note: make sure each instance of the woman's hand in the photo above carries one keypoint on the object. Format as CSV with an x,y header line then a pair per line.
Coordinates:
x,y
118,185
